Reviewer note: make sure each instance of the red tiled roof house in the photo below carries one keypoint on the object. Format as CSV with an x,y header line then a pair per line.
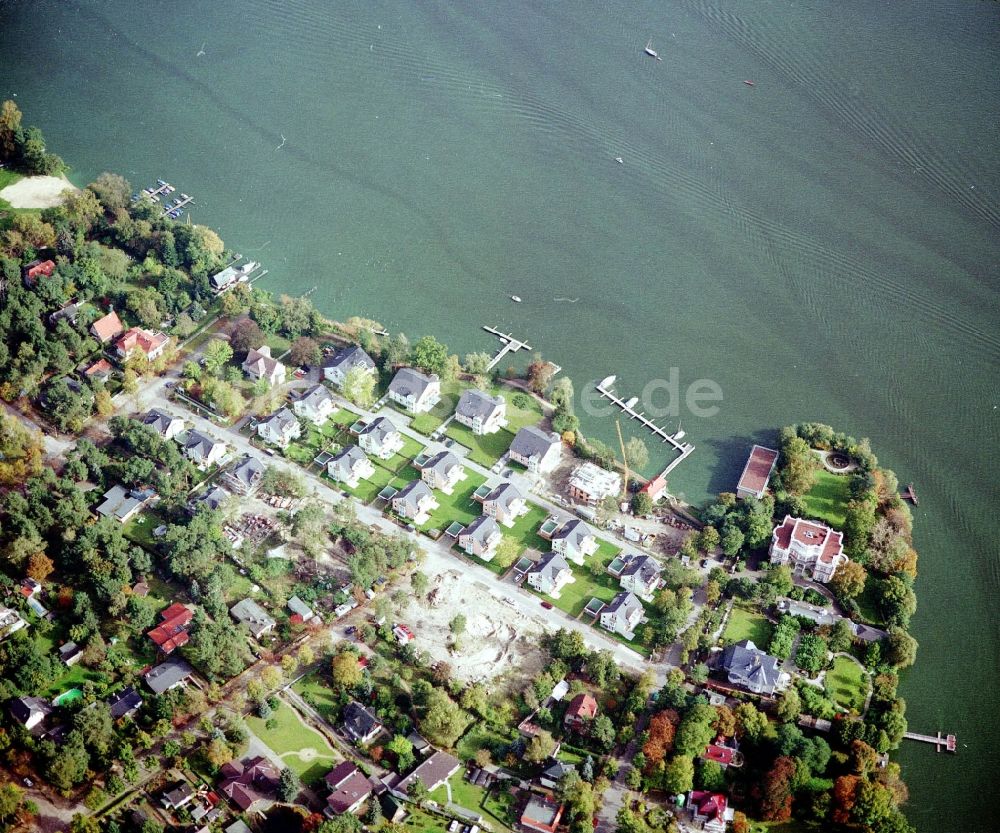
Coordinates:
x,y
172,632
807,546
582,709
151,344
106,328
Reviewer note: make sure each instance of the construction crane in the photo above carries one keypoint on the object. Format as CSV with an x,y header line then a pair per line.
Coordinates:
x,y
621,442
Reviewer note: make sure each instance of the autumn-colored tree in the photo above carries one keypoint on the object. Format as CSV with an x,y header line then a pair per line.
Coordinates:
x,y
40,566
661,731
725,721
864,759
539,374
305,351
345,670
218,752
246,336
740,823
776,790
849,580
845,790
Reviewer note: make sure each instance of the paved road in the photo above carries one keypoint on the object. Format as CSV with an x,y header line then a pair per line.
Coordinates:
x,y
439,556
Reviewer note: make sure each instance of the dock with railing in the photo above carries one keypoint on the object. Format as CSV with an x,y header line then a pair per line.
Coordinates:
x,y
949,742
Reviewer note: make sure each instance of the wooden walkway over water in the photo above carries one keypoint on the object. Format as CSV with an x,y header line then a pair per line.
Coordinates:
x,y
510,345
949,742
628,407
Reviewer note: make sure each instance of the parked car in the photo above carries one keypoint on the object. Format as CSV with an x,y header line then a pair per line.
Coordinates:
x,y
546,605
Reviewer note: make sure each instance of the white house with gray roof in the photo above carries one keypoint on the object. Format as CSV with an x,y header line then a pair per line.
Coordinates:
x,y
336,368
415,501
505,503
443,471
244,477
280,428
350,466
747,666
575,540
203,450
260,364
480,538
641,576
166,425
248,612
483,413
314,404
415,391
537,450
622,614
550,574
380,438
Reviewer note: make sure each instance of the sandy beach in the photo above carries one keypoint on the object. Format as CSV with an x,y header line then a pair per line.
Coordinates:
x,y
37,191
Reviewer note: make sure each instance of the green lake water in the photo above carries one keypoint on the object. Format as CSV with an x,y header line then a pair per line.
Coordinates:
x,y
823,245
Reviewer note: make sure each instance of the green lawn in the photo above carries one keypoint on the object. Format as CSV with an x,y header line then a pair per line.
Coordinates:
x,y
743,624
525,530
421,822
367,490
466,795
411,448
290,738
320,695
827,499
868,603
139,530
518,417
848,683
484,449
458,506
573,597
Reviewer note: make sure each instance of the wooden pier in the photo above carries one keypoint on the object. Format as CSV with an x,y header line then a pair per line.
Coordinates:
x,y
510,345
179,206
684,449
911,495
949,742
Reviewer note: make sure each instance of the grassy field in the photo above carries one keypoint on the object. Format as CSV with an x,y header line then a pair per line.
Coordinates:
x,y
304,750
827,499
573,597
367,490
868,603
848,683
484,449
746,625
469,796
458,506
517,416
321,696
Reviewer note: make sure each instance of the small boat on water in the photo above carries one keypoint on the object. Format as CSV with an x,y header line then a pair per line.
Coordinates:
x,y
516,299
632,402
680,432
650,51
748,83
606,382
619,160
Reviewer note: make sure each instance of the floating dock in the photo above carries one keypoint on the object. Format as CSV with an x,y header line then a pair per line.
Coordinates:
x,y
510,345
628,407
178,206
949,742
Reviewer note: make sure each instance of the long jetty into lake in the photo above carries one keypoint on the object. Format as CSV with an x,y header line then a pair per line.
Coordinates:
x,y
510,345
949,742
628,407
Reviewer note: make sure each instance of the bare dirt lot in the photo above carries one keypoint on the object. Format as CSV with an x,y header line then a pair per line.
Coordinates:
x,y
37,192
497,638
